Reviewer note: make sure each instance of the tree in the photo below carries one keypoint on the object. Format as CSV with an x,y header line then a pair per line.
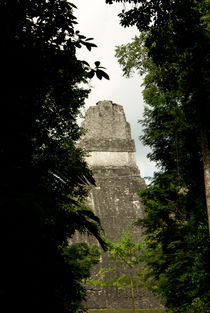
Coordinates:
x,y
175,41
81,258
175,222
126,254
44,177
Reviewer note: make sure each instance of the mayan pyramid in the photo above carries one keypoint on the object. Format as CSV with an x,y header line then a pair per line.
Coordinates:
x,y
112,158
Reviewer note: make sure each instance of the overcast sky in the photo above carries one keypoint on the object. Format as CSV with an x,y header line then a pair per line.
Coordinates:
x,y
100,21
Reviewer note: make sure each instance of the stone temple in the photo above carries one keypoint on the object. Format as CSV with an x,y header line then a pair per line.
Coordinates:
x,y
114,199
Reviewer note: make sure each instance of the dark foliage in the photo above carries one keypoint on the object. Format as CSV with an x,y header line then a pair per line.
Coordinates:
x,y
176,127
43,174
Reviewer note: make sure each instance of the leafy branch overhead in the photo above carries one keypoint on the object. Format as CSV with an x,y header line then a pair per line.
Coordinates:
x,y
97,70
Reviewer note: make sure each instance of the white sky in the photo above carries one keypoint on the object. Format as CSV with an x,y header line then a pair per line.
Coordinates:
x,y
100,21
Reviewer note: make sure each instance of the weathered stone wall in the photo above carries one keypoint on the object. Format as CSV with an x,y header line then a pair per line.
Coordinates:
x,y
106,120
114,199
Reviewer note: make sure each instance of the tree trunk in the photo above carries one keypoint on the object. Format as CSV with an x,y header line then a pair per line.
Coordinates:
x,y
206,169
132,292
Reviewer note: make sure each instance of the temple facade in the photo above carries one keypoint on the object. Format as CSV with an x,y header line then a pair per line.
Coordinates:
x,y
114,199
